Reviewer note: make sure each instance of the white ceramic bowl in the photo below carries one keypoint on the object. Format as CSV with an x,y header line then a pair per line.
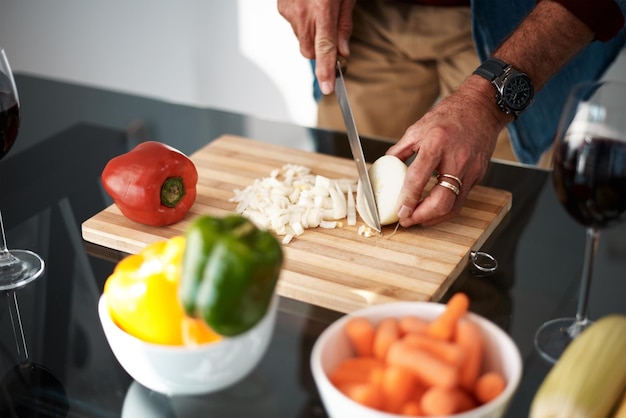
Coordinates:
x,y
332,347
178,370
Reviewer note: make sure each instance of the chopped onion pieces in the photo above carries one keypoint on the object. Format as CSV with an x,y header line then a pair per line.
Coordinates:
x,y
292,199
351,207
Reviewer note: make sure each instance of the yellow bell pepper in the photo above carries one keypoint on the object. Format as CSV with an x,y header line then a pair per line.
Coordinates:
x,y
142,297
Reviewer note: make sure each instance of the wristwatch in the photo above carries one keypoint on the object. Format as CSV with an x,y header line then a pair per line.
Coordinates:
x,y
514,89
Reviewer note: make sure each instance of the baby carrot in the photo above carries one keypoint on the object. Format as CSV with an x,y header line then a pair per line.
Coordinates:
x,y
470,339
444,325
387,332
397,387
428,368
489,386
354,370
413,325
411,409
418,390
444,350
366,394
445,401
360,332
376,377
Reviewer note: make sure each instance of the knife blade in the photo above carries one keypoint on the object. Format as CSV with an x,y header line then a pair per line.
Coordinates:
x,y
355,145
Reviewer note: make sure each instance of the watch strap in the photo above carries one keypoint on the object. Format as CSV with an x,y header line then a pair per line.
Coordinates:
x,y
498,73
491,68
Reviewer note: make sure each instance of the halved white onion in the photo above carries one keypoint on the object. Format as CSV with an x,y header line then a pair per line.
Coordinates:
x,y
387,175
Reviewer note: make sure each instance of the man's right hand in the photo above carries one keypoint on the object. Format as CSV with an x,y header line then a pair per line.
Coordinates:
x,y
323,29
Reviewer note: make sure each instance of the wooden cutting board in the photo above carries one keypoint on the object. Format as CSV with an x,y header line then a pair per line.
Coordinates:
x,y
333,268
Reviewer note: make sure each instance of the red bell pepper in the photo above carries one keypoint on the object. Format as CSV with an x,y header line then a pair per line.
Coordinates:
x,y
153,184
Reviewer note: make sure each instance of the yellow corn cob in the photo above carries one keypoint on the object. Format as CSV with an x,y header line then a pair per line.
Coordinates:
x,y
590,376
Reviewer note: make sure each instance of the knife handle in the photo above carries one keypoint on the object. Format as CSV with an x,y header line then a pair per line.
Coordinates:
x,y
341,67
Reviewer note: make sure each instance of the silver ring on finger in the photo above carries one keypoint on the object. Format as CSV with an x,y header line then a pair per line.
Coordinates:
x,y
449,186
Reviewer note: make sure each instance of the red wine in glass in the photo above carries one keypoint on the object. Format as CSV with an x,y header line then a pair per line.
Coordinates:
x,y
589,176
9,117
590,180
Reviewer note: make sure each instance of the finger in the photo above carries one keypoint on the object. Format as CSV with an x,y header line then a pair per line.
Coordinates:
x,y
298,16
460,201
437,207
307,46
417,176
403,149
326,53
344,28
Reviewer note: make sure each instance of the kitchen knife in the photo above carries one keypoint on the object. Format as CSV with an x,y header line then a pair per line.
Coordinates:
x,y
355,145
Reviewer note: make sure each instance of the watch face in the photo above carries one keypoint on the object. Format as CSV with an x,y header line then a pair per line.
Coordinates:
x,y
517,92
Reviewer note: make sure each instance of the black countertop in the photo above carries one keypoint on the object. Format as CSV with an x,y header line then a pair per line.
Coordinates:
x,y
50,183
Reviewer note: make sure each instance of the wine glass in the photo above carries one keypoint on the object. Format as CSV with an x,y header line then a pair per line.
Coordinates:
x,y
17,267
29,389
589,175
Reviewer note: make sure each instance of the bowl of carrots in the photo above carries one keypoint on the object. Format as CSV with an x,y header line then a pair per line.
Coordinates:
x,y
416,359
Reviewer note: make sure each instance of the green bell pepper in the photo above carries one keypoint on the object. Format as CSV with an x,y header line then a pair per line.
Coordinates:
x,y
229,272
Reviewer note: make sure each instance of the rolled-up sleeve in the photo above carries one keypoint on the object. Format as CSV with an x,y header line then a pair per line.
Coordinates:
x,y
604,17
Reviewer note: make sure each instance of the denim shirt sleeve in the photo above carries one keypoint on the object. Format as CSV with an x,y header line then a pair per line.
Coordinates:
x,y
533,132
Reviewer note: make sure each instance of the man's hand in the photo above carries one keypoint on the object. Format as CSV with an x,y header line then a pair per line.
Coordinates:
x,y
457,137
323,29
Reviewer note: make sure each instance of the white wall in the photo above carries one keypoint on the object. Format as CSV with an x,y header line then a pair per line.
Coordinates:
x,y
238,55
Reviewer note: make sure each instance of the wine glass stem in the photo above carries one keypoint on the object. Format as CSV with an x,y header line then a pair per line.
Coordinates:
x,y
591,246
14,309
16,323
4,252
